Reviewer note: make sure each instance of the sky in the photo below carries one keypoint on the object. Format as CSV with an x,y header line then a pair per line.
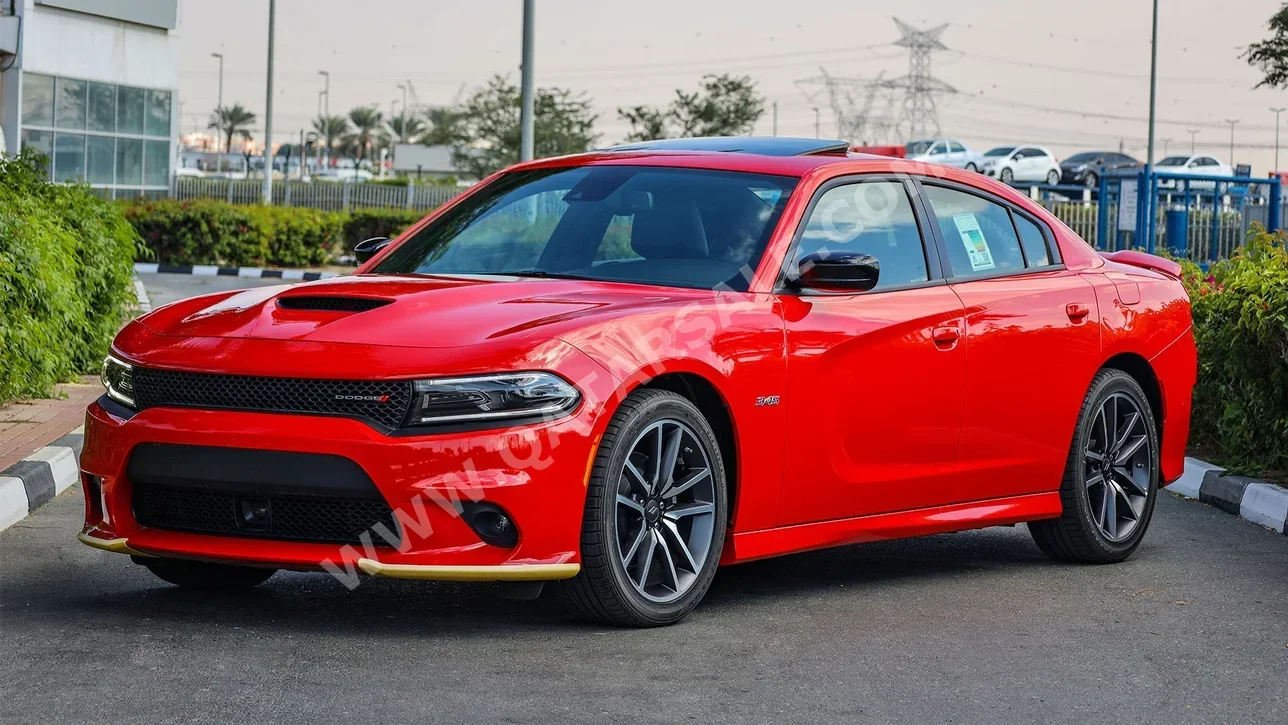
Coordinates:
x,y
1070,75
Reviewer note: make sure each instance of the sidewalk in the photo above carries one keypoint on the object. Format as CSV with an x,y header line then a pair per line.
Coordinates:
x,y
31,424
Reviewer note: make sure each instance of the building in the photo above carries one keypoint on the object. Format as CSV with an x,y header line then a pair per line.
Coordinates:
x,y
94,85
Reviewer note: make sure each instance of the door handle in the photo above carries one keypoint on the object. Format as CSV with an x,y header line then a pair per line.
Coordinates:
x,y
945,335
1077,311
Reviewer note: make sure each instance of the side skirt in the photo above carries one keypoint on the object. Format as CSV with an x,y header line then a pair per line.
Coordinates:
x,y
897,525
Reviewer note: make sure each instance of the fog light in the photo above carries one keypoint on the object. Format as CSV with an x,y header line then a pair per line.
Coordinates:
x,y
492,524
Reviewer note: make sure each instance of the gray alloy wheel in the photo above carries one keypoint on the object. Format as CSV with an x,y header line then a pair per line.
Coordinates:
x,y
1110,479
1053,177
655,517
1091,180
1006,175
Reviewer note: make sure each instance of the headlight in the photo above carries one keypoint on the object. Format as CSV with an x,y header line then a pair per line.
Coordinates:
x,y
485,398
118,378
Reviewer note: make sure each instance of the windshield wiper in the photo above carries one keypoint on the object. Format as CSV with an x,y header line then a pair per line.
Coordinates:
x,y
542,274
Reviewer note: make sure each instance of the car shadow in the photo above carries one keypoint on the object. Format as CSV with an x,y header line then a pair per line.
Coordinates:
x,y
316,603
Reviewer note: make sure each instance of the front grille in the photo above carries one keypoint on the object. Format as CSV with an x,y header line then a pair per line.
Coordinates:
x,y
382,402
292,518
331,304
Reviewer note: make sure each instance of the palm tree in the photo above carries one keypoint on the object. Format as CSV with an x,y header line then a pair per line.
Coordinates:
x,y
330,131
443,128
230,122
404,127
366,123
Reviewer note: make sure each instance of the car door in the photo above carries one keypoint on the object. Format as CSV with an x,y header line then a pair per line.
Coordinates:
x,y
956,155
1031,340
874,379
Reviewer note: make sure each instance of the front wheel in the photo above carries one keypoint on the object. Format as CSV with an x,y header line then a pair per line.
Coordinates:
x,y
1053,177
972,167
205,576
655,515
1006,175
1110,479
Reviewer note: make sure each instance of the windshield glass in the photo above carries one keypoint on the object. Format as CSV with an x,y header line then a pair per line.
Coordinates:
x,y
1083,158
917,148
648,225
1001,151
1174,161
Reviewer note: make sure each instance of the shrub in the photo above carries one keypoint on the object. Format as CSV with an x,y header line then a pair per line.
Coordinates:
x,y
1240,309
65,278
206,231
363,224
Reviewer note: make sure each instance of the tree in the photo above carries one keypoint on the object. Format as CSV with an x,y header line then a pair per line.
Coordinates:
x,y
404,128
366,125
487,133
723,105
231,122
331,131
1270,56
444,126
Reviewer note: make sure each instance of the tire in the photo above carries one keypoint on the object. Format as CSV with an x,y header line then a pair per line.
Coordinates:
x,y
205,576
972,167
1081,533
610,587
1091,181
1052,177
1006,175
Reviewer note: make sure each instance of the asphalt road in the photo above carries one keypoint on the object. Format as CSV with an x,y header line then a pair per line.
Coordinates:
x,y
166,288
975,627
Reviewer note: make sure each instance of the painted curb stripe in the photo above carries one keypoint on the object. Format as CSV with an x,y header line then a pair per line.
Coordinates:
x,y
1191,479
1223,492
13,501
210,270
1266,504
30,483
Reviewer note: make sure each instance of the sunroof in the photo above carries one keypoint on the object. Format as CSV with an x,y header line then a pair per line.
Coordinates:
x,y
763,146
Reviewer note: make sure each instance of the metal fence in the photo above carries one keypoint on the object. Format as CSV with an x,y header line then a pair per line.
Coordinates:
x,y
329,196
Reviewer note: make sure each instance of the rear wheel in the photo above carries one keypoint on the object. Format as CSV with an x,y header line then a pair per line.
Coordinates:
x,y
655,515
970,166
1053,177
204,575
1110,479
1006,175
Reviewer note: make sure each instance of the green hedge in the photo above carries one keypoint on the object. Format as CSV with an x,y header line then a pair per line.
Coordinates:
x,y
1240,309
206,231
66,262
213,232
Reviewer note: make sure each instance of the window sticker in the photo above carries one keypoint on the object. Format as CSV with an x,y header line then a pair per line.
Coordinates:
x,y
976,247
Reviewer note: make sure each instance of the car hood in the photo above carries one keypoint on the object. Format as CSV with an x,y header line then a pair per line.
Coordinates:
x,y
411,310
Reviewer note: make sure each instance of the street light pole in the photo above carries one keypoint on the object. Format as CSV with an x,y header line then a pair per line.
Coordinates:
x,y
402,127
220,103
1153,86
1192,132
1277,112
526,122
266,191
1232,123
326,117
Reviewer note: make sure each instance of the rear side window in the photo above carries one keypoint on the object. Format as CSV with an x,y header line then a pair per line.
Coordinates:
x,y
873,217
977,232
1035,246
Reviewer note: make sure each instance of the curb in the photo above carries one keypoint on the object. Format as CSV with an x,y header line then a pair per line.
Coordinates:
x,y
210,270
144,303
30,483
1257,501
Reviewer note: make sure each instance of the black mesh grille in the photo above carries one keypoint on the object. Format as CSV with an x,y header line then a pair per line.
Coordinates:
x,y
383,403
294,518
331,304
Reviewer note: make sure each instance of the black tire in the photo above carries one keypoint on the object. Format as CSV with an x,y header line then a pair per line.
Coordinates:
x,y
970,166
205,576
603,590
1006,175
1052,177
1076,536
1091,181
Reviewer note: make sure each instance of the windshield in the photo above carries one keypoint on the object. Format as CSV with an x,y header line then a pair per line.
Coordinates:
x,y
1000,151
1174,161
1083,158
648,225
917,148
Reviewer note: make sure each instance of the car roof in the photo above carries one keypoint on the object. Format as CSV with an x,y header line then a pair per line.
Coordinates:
x,y
759,155
771,146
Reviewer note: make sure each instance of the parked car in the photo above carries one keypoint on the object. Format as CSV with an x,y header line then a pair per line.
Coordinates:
x,y
1193,164
1087,167
1021,163
943,151
616,371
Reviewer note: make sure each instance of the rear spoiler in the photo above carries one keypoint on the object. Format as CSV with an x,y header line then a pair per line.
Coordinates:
x,y
1147,261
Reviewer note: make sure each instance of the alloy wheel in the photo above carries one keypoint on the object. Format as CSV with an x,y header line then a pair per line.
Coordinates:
x,y
1118,467
666,510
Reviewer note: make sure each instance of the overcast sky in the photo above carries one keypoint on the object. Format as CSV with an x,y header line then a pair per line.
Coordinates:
x,y
1069,75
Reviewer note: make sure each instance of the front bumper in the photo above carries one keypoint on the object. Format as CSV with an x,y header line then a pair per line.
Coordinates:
x,y
536,473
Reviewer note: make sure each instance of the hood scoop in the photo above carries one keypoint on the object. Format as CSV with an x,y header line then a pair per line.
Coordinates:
x,y
331,303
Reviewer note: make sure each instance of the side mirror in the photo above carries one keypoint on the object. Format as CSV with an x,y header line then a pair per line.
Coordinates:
x,y
367,249
838,271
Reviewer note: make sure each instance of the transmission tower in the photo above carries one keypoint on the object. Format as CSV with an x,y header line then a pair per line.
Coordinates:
x,y
919,116
853,102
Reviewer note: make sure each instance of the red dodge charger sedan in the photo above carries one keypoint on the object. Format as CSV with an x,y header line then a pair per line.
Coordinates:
x,y
615,372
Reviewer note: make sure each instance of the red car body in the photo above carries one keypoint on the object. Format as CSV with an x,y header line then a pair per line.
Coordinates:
x,y
946,407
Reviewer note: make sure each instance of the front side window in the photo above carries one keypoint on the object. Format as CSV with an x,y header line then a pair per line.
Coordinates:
x,y
978,233
873,218
1000,151
664,226
1174,161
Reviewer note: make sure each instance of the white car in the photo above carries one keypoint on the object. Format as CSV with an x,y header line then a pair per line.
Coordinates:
x,y
944,151
1195,164
1021,163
